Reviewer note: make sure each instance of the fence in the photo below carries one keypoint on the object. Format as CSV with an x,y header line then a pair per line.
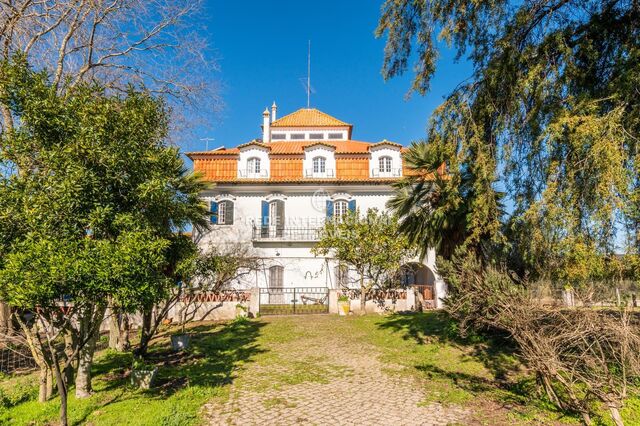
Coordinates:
x,y
597,295
15,358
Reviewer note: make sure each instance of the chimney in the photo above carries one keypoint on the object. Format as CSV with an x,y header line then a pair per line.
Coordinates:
x,y
274,109
266,131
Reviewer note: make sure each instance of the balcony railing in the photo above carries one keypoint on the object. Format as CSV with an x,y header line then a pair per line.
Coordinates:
x,y
268,233
395,172
327,174
252,174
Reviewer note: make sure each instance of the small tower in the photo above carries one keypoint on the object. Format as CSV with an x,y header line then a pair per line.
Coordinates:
x,y
274,110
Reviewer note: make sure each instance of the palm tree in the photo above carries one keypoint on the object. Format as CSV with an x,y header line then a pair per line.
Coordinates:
x,y
430,203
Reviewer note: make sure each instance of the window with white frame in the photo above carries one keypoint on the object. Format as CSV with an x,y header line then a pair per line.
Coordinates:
x,y
335,136
253,166
273,214
340,210
297,136
316,136
385,164
278,136
319,165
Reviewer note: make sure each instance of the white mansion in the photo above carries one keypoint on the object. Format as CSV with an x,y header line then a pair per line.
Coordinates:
x,y
273,194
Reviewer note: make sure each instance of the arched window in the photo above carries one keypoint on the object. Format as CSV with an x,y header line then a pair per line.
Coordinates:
x,y
253,166
385,164
319,165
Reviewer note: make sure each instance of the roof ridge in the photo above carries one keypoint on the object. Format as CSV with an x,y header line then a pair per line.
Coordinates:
x,y
298,118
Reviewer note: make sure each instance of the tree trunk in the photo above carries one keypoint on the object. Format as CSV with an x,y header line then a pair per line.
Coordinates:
x,y
85,362
615,416
114,329
146,331
363,297
69,347
123,340
7,118
89,331
44,392
5,320
62,387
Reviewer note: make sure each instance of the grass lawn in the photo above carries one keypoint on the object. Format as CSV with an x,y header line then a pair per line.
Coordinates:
x,y
474,373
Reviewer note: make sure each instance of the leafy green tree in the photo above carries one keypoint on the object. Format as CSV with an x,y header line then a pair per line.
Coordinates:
x,y
90,201
371,245
551,111
441,210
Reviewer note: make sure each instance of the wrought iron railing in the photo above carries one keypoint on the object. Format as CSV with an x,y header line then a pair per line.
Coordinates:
x,y
385,172
327,174
294,300
287,234
252,174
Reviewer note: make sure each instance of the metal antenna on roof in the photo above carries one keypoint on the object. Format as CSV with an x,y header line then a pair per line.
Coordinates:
x,y
309,76
207,142
306,81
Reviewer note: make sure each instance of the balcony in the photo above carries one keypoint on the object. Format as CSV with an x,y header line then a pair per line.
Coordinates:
x,y
252,174
386,173
326,174
267,233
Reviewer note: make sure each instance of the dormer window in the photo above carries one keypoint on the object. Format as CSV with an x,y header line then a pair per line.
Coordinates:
x,y
253,165
385,165
319,165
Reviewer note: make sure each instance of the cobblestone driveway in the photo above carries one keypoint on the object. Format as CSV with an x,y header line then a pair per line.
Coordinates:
x,y
351,387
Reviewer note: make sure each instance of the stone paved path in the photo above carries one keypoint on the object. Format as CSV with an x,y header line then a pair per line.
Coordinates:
x,y
355,389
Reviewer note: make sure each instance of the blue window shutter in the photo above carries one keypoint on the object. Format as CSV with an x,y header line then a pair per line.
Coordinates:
x,y
329,209
214,212
265,213
352,205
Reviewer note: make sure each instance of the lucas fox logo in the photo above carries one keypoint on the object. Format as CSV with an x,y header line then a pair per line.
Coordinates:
x,y
319,200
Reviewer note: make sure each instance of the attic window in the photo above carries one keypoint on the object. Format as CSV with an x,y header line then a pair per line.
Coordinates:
x,y
335,135
278,136
315,136
297,136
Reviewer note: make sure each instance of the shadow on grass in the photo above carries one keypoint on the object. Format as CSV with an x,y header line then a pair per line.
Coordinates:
x,y
509,384
216,353
495,352
212,359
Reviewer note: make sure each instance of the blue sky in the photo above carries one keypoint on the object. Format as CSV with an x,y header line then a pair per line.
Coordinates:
x,y
261,49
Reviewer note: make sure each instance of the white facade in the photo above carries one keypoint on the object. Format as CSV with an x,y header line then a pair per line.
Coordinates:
x,y
278,218
304,213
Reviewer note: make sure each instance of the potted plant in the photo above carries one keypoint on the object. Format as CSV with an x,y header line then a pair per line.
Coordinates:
x,y
241,310
143,375
344,305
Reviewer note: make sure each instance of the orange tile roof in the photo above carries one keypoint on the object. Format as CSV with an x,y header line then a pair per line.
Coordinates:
x,y
309,117
342,147
293,147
